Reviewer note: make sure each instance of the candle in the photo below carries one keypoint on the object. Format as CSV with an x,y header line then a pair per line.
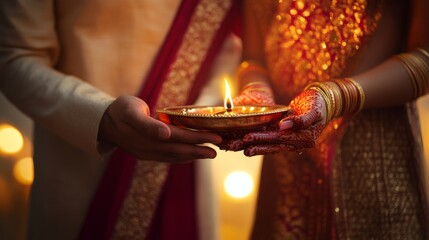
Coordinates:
x,y
223,118
227,102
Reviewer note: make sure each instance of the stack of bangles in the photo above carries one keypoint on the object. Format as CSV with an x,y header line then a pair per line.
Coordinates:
x,y
417,65
342,96
247,68
346,97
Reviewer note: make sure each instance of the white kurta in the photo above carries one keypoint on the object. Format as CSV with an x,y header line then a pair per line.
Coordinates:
x,y
62,63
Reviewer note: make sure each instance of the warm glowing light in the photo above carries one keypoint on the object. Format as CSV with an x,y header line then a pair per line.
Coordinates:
x,y
227,102
238,184
24,171
11,140
5,197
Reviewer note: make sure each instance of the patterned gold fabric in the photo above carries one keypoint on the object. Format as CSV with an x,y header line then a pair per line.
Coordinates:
x,y
370,190
376,184
149,177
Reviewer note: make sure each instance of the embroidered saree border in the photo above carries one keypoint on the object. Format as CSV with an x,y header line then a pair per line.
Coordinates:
x,y
149,177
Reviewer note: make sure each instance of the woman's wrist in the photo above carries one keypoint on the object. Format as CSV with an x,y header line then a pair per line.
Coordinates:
x,y
342,96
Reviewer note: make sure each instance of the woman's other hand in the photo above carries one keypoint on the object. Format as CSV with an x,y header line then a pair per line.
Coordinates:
x,y
296,132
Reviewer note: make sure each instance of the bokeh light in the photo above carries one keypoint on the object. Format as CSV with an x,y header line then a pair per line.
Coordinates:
x,y
238,184
11,140
24,171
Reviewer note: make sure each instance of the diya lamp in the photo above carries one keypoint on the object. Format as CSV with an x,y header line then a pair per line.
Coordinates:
x,y
224,120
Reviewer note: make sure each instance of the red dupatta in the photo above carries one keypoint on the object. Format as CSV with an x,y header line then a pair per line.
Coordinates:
x,y
130,190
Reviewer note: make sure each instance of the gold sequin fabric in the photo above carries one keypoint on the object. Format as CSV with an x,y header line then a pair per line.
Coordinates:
x,y
312,40
148,178
365,188
307,41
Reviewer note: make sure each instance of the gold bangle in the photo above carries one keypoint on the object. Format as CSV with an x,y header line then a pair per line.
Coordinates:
x,y
417,66
422,59
353,96
336,92
258,87
403,60
247,67
422,51
346,96
361,94
327,102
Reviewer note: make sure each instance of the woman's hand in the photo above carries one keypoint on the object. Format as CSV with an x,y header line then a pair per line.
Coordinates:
x,y
128,125
296,132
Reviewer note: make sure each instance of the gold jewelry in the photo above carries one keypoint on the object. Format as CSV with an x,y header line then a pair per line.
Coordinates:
x,y
258,87
424,52
247,67
328,104
416,63
342,96
336,92
359,88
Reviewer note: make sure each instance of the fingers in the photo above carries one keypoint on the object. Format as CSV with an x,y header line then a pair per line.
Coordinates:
x,y
145,148
254,97
268,149
195,137
132,111
300,121
130,127
147,125
179,152
301,138
176,152
232,145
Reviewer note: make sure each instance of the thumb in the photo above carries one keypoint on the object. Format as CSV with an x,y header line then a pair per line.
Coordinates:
x,y
137,114
300,121
151,127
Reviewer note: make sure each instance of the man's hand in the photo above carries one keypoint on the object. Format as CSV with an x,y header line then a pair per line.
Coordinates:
x,y
127,124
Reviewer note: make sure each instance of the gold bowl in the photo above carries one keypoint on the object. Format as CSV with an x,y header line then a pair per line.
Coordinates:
x,y
217,118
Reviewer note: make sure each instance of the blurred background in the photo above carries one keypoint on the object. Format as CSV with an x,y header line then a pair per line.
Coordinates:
x,y
236,177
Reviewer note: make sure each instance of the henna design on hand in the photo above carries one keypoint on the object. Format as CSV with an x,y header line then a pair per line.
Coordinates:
x,y
255,94
308,117
254,98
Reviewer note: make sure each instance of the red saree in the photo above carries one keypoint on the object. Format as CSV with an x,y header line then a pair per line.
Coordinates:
x,y
136,199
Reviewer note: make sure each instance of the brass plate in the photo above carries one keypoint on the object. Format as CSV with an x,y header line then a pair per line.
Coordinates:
x,y
216,118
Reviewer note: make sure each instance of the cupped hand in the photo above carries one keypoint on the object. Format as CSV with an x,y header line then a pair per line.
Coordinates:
x,y
128,125
296,132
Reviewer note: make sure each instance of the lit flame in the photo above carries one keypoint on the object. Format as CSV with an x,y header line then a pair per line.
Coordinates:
x,y
227,102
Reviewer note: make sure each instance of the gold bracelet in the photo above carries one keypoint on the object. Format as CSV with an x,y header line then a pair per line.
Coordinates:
x,y
328,92
422,58
247,67
346,96
258,87
403,60
416,64
353,96
328,104
361,94
336,92
422,51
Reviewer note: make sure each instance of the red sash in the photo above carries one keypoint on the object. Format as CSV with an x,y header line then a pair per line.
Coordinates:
x,y
169,221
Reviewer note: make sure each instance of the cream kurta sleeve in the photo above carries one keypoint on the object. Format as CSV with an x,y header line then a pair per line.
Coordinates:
x,y
63,104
